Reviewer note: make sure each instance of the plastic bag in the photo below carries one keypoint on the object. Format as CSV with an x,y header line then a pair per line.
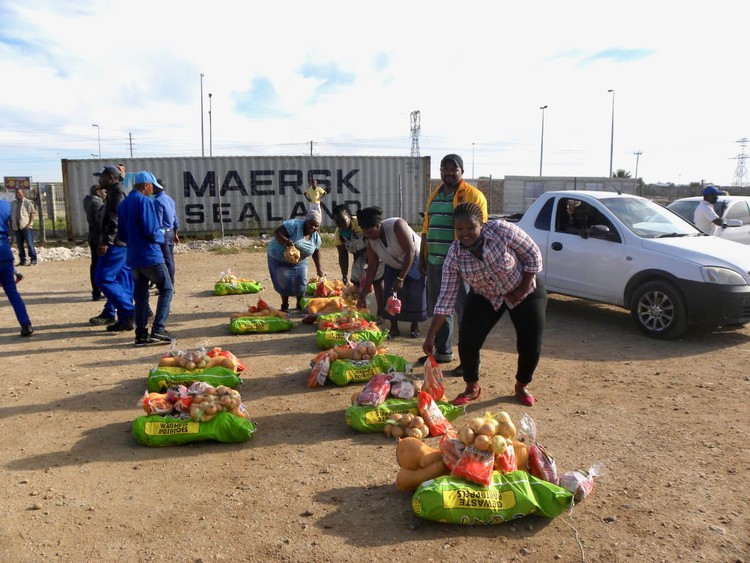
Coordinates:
x,y
376,391
451,448
393,305
541,463
292,254
475,466
581,483
433,417
319,372
508,498
433,378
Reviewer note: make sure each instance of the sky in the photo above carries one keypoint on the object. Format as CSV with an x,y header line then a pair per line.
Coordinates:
x,y
343,78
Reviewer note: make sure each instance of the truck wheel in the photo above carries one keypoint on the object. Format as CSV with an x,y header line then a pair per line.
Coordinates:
x,y
659,310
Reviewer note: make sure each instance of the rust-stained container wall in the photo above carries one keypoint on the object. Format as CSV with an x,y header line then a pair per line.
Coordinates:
x,y
249,193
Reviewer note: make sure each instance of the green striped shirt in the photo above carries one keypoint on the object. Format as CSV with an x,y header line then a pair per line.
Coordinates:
x,y
440,233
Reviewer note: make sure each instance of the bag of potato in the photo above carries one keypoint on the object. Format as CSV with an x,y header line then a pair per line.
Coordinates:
x,y
374,418
347,313
237,288
251,325
157,430
162,378
326,339
508,497
292,254
343,372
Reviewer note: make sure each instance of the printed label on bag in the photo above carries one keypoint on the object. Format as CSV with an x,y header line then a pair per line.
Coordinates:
x,y
169,428
481,500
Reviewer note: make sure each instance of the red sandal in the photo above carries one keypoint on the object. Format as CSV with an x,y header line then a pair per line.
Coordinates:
x,y
472,393
523,395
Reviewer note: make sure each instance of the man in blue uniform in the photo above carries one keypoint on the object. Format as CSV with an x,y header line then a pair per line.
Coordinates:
x,y
113,276
166,214
139,227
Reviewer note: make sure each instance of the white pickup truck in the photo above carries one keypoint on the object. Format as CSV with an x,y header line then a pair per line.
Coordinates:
x,y
628,251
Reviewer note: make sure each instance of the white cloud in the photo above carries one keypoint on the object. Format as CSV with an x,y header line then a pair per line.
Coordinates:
x,y
478,73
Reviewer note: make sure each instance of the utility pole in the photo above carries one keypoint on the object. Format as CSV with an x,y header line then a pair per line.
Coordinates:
x,y
130,141
637,154
203,146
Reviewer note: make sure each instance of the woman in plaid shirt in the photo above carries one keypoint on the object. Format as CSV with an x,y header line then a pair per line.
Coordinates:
x,y
499,261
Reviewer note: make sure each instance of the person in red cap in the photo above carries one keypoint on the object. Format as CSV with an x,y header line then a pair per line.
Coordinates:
x,y
437,236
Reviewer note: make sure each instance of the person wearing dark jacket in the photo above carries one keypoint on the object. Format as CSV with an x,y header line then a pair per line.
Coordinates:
x,y
139,228
92,206
113,275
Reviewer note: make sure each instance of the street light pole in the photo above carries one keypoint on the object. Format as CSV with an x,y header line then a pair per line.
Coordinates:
x,y
99,137
637,154
210,128
472,161
541,150
612,134
203,147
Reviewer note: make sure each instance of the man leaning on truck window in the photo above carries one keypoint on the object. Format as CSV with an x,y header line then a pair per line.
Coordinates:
x,y
705,216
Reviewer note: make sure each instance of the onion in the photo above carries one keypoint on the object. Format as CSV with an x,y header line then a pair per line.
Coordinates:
x,y
482,442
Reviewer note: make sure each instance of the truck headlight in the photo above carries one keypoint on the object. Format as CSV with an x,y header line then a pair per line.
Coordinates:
x,y
722,276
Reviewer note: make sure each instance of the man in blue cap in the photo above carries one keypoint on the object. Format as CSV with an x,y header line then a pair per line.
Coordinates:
x,y
705,216
140,229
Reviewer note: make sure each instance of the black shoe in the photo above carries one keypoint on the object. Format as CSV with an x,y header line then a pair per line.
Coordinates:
x,y
96,296
22,263
144,341
458,371
26,330
33,263
149,314
122,326
100,320
161,336
421,361
19,277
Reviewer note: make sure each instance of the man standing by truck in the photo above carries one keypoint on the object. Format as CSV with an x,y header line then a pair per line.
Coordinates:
x,y
705,216
437,236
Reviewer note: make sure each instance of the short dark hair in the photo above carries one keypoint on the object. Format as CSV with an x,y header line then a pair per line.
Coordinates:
x,y
369,217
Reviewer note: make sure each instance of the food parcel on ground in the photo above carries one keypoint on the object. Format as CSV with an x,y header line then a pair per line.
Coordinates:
x,y
458,468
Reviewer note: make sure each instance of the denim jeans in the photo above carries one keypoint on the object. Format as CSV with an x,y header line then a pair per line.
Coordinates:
x,y
25,236
528,318
158,275
444,336
167,251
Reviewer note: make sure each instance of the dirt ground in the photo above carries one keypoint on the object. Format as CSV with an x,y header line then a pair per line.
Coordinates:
x,y
669,421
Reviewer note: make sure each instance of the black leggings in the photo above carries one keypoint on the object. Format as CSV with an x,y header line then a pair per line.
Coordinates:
x,y
480,317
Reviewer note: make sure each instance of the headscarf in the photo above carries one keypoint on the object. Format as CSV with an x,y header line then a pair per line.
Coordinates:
x,y
314,215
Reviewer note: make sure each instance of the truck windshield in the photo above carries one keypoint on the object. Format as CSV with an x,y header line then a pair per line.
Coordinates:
x,y
648,219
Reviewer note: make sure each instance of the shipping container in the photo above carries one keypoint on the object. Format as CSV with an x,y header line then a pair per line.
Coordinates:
x,y
236,195
519,192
